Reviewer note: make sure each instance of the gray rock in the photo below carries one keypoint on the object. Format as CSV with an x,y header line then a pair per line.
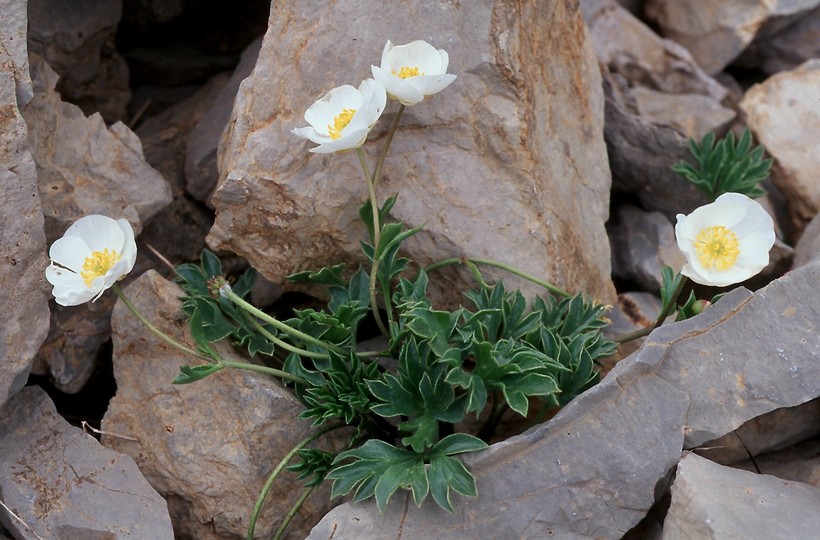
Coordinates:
x,y
208,447
808,247
70,354
85,168
178,231
693,115
642,244
766,433
772,110
507,163
64,484
641,155
717,32
800,462
201,173
656,95
634,311
594,469
711,501
22,241
781,45
77,41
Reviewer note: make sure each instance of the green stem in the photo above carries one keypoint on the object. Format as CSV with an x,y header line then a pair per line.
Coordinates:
x,y
279,325
667,310
156,331
257,508
293,509
511,269
377,229
392,131
284,344
264,369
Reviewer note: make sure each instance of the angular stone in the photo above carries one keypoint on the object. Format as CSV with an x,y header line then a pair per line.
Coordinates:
x,y
22,241
593,470
64,484
693,115
717,32
85,168
808,247
769,432
207,447
782,45
201,173
77,40
642,244
178,231
641,70
800,463
508,163
772,110
710,501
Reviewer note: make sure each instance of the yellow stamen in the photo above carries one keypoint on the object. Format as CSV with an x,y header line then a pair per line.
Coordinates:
x,y
340,121
717,247
407,72
98,264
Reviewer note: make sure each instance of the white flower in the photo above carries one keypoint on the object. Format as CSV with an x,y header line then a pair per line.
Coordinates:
x,y
410,72
725,242
343,117
93,253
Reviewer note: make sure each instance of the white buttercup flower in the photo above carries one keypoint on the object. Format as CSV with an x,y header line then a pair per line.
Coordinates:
x,y
342,119
725,242
91,256
410,72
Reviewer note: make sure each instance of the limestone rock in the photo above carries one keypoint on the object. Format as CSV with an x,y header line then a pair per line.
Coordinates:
x,y
784,45
808,247
772,110
207,447
634,311
800,463
717,32
593,470
650,85
70,354
178,231
77,41
64,484
508,163
22,241
201,173
84,167
642,244
710,501
767,433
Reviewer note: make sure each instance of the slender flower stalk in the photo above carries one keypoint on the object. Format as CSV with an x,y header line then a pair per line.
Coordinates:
x,y
257,507
511,269
668,309
377,229
279,325
153,329
392,131
280,531
246,366
284,344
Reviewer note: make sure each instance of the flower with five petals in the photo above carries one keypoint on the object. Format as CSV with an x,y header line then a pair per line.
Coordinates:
x,y
411,72
341,119
725,242
92,255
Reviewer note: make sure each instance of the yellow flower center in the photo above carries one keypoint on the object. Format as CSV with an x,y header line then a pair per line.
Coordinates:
x,y
340,121
717,247
407,72
98,264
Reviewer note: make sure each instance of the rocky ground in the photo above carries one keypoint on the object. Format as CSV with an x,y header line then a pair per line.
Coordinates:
x,y
551,151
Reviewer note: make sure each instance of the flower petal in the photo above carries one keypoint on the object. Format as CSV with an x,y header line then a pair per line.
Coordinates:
x,y
128,252
98,232
397,87
69,287
350,140
70,252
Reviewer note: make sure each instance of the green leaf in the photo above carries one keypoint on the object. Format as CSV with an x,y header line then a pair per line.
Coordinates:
x,y
211,264
188,374
325,276
457,443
